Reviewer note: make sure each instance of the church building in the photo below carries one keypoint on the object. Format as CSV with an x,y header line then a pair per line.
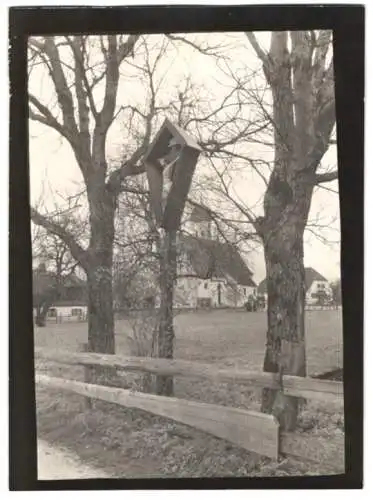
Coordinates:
x,y
211,272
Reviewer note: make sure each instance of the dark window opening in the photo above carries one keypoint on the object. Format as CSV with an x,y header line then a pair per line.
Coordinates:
x,y
219,294
52,313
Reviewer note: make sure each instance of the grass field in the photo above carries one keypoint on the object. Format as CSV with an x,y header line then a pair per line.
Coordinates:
x,y
127,443
232,338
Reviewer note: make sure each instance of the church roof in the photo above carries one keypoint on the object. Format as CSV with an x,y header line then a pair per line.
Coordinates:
x,y
200,214
211,258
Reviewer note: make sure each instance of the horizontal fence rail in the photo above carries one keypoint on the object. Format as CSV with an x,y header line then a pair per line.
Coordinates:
x,y
251,430
309,388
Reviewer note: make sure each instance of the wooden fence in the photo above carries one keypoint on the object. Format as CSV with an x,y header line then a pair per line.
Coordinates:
x,y
253,431
326,307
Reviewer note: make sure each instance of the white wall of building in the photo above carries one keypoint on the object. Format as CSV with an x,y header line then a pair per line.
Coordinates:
x,y
237,295
316,286
66,311
186,292
230,295
206,289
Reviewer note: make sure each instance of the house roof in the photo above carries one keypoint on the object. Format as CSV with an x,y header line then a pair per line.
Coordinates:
x,y
43,280
69,303
311,275
214,258
262,287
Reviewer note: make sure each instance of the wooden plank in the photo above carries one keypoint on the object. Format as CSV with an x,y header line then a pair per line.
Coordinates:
x,y
321,449
323,390
333,374
253,431
87,375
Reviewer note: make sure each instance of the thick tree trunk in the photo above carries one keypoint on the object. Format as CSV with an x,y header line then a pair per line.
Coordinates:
x,y
100,308
41,315
101,336
165,341
99,271
41,312
303,119
285,349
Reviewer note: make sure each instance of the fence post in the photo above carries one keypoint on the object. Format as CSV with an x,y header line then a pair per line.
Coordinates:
x,y
102,375
87,376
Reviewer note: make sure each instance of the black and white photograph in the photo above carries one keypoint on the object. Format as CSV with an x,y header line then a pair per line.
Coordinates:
x,y
184,219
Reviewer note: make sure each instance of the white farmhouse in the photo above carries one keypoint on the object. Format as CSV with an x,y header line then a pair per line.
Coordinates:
x,y
318,289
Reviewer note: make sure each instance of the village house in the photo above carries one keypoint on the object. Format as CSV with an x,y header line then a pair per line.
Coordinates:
x,y
67,302
73,303
318,289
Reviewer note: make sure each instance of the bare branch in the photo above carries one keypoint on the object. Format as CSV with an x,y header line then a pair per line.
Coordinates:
x,y
111,87
326,177
263,56
322,47
52,227
206,51
77,46
323,125
239,206
65,98
82,93
127,48
113,58
131,166
128,169
46,117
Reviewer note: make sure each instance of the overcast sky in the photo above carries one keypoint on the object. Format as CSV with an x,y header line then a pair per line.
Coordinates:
x,y
53,167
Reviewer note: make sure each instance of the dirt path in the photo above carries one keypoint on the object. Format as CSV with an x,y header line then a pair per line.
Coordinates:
x,y
59,463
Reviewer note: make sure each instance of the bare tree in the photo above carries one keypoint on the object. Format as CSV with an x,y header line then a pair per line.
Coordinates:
x,y
301,81
84,124
56,264
45,291
54,252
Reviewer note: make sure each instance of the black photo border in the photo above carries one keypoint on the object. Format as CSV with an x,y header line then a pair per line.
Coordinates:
x,y
347,23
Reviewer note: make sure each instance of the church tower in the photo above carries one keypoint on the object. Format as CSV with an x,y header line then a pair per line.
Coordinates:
x,y
201,224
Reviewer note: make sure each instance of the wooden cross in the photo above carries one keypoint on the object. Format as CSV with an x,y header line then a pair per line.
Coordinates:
x,y
170,163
